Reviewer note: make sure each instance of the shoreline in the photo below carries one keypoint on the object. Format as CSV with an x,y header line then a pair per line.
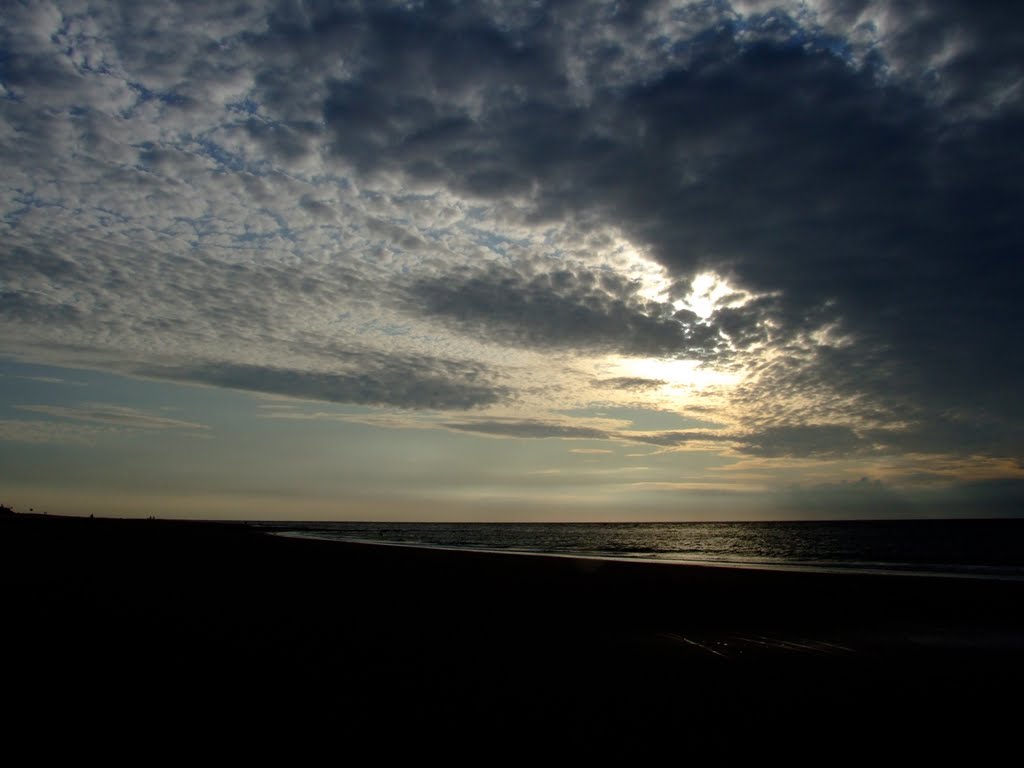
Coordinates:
x,y
995,573
511,569
131,619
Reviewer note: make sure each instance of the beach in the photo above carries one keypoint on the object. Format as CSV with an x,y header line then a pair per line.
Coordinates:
x,y
193,623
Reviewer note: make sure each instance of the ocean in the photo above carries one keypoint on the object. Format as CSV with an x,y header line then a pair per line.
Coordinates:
x,y
992,549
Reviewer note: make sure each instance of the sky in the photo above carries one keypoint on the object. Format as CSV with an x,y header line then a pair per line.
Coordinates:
x,y
480,261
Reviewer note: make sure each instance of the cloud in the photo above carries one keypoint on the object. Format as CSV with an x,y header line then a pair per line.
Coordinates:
x,y
402,383
115,415
581,310
39,432
812,441
539,429
528,428
862,498
817,440
456,182
765,154
636,383
679,439
699,486
44,379
1002,496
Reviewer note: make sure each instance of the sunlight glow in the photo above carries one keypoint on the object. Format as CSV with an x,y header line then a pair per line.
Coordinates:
x,y
675,373
710,292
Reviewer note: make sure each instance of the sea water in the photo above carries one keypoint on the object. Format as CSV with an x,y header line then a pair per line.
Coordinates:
x,y
966,548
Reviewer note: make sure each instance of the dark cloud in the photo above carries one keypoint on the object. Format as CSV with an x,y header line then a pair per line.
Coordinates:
x,y
849,191
529,428
861,498
810,441
815,440
821,441
678,439
997,497
871,498
635,383
394,382
539,429
580,309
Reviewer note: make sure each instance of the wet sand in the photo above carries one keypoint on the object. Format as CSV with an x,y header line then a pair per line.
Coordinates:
x,y
185,626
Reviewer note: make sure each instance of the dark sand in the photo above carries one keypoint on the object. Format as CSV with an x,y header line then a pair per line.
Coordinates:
x,y
177,628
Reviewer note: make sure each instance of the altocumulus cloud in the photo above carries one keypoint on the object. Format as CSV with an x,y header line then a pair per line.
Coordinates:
x,y
447,188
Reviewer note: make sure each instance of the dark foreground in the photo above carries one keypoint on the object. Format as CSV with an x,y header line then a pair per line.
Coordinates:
x,y
176,629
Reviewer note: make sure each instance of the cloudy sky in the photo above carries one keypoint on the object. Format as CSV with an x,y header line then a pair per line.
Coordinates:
x,y
539,261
